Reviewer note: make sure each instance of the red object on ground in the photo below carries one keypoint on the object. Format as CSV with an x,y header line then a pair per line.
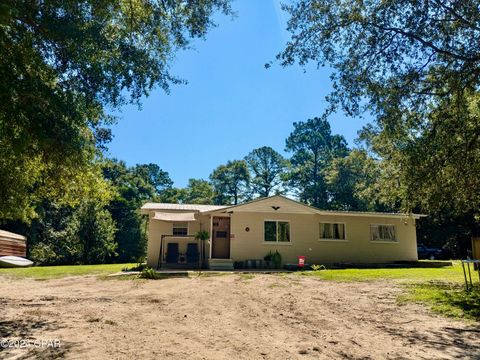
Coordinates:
x,y
301,261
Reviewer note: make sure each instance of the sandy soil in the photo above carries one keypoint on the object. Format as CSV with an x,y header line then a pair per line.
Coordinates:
x,y
225,317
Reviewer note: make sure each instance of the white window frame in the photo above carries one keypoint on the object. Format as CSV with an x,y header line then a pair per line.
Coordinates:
x,y
333,240
278,242
177,222
395,241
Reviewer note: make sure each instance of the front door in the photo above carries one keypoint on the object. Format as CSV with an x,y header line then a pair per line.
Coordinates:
x,y
221,238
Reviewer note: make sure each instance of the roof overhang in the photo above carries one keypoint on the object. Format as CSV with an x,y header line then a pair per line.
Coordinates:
x,y
10,235
370,214
282,204
164,216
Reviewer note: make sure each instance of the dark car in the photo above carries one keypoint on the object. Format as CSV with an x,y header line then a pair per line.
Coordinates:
x,y
431,253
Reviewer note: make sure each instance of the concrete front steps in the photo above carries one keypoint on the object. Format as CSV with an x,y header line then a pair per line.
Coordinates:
x,y
220,264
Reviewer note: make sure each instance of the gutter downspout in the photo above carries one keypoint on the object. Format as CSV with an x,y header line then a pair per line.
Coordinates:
x,y
211,238
159,263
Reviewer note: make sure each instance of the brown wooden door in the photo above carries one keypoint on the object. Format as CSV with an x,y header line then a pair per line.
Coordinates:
x,y
221,238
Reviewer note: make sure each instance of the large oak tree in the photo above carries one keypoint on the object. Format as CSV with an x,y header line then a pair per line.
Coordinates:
x,y
414,65
63,65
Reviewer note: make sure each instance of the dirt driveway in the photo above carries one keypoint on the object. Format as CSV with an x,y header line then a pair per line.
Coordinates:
x,y
224,317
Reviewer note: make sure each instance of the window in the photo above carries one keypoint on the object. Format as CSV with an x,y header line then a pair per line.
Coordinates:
x,y
221,234
277,231
332,231
383,233
180,229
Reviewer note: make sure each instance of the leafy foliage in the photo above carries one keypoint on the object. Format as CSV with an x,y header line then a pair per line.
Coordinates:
x,y
394,54
149,273
66,235
62,64
202,235
414,66
352,183
231,182
315,267
451,232
134,186
198,191
276,259
267,167
436,169
314,148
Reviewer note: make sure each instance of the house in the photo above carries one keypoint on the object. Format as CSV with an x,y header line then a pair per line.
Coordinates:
x,y
251,230
12,244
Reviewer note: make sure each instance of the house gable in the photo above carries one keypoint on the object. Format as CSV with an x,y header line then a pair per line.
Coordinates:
x,y
275,204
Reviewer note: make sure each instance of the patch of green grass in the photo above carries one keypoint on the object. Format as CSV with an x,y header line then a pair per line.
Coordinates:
x,y
448,274
441,289
55,272
447,299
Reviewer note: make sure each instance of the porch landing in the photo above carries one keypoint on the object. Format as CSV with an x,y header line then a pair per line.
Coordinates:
x,y
220,264
213,272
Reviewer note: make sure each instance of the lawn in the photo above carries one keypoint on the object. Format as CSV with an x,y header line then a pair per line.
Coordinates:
x,y
52,272
442,289
452,274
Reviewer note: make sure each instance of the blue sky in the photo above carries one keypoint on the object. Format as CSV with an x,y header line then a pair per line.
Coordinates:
x,y
231,104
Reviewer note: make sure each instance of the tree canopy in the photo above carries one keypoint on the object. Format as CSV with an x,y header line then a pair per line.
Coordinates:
x,y
267,168
134,186
313,148
390,53
414,67
197,191
62,65
230,182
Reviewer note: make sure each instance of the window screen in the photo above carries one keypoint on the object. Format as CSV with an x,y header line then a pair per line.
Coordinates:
x,y
180,229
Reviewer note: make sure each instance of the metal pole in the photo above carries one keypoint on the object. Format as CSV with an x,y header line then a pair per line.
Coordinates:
x,y
469,274
478,270
160,252
465,275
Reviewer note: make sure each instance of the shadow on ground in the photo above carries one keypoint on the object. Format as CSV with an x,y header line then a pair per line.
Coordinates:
x,y
450,340
21,340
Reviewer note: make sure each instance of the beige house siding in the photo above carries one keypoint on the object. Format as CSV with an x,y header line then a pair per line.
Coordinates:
x,y
305,239
304,232
157,228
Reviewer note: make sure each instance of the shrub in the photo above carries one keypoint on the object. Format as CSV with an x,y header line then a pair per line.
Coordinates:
x,y
42,253
276,259
138,267
149,273
268,257
202,235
